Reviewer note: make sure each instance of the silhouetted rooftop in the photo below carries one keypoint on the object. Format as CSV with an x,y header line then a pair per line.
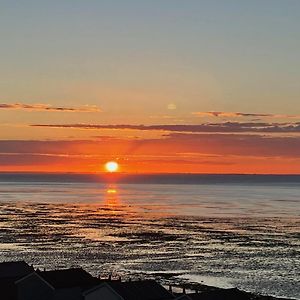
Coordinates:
x,y
76,277
222,294
145,289
15,269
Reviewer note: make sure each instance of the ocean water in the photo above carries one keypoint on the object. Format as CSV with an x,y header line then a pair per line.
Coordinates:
x,y
222,230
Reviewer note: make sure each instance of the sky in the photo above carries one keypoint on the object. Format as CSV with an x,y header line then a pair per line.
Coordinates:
x,y
196,86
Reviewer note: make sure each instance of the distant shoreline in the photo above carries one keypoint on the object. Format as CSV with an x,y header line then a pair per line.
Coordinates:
x,y
170,178
151,174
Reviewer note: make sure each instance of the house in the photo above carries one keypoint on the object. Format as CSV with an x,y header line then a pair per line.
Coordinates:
x,y
9,273
133,290
67,278
69,283
33,287
15,269
65,284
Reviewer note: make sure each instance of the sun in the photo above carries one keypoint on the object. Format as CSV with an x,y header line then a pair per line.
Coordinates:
x,y
111,166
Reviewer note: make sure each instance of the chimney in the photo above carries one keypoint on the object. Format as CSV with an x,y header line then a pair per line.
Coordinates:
x,y
183,290
170,288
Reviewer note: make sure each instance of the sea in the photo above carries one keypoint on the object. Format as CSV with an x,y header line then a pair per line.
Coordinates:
x,y
221,230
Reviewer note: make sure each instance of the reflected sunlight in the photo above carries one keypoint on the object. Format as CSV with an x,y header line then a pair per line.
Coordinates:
x,y
111,191
111,197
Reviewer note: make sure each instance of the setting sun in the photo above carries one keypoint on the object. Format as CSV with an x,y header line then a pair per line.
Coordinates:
x,y
111,166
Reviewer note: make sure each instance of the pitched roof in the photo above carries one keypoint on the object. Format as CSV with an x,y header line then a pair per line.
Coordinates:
x,y
33,275
140,290
76,277
15,269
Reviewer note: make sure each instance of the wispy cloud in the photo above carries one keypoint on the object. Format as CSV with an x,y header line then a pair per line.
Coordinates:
x,y
48,107
238,144
245,115
183,152
226,127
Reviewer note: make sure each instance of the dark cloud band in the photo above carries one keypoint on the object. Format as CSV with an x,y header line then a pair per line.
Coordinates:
x,y
225,114
226,127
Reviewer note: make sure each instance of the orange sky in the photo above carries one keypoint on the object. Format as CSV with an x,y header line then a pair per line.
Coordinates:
x,y
159,86
172,153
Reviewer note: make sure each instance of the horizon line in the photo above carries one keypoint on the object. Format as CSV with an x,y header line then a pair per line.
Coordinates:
x,y
143,174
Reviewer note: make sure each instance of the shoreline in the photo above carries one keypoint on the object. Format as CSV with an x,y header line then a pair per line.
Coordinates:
x,y
189,286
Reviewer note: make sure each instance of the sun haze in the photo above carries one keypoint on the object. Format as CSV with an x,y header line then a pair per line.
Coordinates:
x,y
111,166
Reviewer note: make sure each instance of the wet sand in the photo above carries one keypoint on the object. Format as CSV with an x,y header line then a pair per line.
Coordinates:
x,y
253,254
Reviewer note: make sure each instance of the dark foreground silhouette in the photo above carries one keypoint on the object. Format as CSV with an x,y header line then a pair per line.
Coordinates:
x,y
19,281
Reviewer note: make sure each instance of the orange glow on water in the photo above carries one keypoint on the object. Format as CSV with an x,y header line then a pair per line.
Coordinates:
x,y
111,191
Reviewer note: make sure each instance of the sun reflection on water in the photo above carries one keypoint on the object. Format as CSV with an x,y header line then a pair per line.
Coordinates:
x,y
111,191
112,199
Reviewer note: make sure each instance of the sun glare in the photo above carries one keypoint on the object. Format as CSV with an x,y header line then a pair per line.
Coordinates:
x,y
111,166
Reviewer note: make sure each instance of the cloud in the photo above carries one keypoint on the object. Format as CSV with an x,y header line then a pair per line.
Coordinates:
x,y
246,115
172,145
48,107
226,127
238,144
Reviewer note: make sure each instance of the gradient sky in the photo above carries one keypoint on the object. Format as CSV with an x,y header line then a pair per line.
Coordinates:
x,y
228,72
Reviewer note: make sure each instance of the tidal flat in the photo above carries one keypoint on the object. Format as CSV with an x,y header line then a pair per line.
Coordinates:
x,y
175,234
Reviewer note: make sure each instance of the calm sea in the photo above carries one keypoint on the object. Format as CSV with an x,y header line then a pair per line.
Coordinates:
x,y
224,230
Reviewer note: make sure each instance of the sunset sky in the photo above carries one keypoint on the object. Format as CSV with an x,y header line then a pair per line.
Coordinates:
x,y
196,86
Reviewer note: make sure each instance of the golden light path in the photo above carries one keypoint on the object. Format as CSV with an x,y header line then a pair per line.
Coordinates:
x,y
111,191
111,166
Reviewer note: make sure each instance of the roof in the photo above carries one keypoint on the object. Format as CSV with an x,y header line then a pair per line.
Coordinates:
x,y
66,278
32,275
140,290
8,288
15,269
222,294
